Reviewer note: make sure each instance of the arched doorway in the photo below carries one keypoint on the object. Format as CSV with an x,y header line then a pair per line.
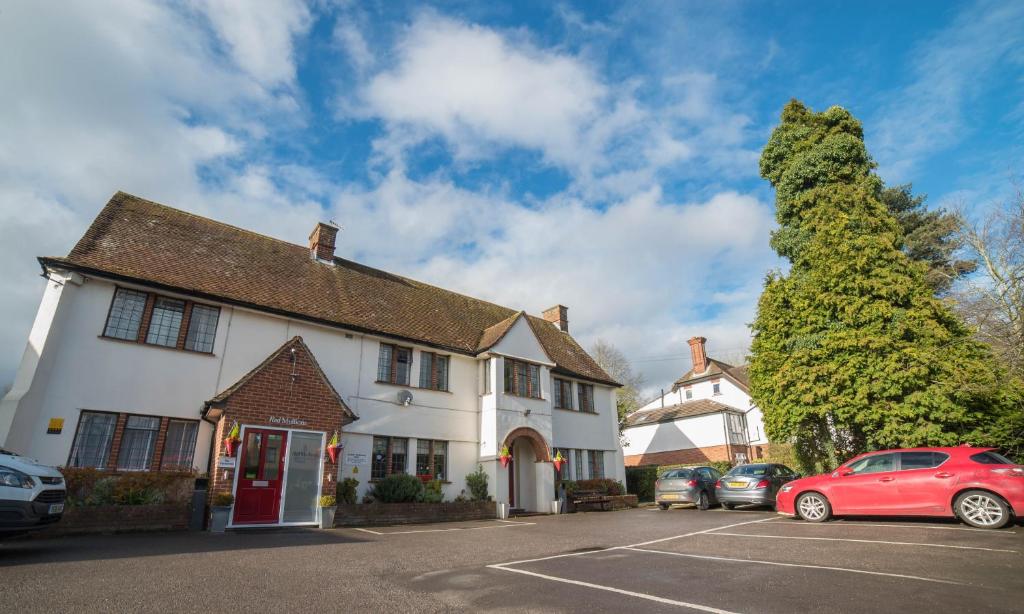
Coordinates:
x,y
525,471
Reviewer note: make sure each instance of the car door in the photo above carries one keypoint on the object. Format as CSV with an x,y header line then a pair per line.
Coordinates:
x,y
924,483
866,486
708,477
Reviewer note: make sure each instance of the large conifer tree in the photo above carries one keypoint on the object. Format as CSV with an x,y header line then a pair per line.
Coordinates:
x,y
851,350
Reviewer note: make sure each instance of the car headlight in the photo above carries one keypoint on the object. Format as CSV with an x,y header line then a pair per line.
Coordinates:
x,y
787,488
15,479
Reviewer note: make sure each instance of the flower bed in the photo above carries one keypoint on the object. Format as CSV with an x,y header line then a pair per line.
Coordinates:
x,y
379,514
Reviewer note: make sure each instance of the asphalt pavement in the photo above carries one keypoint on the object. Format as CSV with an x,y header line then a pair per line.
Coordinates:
x,y
645,559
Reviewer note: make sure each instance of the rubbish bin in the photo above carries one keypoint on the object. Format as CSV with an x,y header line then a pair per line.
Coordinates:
x,y
195,522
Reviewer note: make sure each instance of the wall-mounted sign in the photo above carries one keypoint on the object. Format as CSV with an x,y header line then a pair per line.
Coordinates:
x,y
55,426
354,458
226,462
287,421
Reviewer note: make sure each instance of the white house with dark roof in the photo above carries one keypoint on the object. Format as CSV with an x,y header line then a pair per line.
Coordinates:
x,y
707,415
162,329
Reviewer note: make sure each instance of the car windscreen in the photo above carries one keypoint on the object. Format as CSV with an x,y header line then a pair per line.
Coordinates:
x,y
753,470
990,458
675,473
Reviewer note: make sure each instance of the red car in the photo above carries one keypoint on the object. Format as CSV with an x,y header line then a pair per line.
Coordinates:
x,y
976,485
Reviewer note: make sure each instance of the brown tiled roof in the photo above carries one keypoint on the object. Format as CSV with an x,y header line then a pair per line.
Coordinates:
x,y
137,240
697,407
716,368
297,343
494,334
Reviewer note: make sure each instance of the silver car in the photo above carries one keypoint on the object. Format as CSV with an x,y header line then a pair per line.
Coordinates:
x,y
756,484
694,485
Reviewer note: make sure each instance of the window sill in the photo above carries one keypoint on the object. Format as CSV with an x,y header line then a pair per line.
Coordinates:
x,y
159,347
411,387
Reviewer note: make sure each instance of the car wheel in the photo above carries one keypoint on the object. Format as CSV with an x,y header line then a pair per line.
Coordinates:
x,y
703,502
663,506
813,507
982,509
729,506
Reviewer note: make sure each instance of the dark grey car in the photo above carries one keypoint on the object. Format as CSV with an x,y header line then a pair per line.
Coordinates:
x,y
757,483
694,485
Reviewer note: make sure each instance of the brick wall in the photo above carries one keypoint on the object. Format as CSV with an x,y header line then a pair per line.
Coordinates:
x,y
380,514
120,518
687,456
283,389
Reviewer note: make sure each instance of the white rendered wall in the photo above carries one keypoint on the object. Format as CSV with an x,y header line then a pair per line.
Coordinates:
x,y
696,432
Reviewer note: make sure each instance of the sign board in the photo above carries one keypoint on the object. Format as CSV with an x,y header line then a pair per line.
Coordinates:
x,y
226,462
354,458
287,421
55,426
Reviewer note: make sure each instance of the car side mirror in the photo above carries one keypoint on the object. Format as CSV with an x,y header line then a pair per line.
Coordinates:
x,y
845,471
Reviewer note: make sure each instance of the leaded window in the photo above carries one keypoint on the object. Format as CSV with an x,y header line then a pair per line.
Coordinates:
x,y
125,315
431,456
179,444
522,378
202,328
433,371
138,442
92,440
393,364
165,323
563,393
586,397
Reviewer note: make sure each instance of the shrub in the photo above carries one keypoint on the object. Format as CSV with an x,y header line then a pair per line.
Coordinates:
x,y
477,484
640,482
346,490
96,487
604,486
433,492
722,467
223,499
328,501
398,488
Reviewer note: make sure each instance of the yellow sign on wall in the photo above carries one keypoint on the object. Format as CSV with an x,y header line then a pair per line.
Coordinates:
x,y
55,427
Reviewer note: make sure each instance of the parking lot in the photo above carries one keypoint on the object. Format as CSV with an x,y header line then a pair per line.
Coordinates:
x,y
681,559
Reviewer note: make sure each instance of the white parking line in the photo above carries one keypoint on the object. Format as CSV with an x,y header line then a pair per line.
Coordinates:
x,y
862,541
909,526
596,550
501,526
757,562
612,589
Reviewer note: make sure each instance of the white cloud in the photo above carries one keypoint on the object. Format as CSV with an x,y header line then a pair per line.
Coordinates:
x,y
260,34
643,274
476,88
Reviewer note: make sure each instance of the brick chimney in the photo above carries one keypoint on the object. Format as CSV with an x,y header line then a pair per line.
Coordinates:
x,y
698,355
559,316
321,241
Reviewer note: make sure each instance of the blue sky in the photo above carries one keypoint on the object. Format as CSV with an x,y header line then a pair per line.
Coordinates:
x,y
597,154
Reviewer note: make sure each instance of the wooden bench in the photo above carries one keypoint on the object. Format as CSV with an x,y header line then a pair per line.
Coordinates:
x,y
592,497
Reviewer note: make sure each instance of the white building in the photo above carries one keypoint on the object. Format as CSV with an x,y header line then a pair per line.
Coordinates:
x,y
162,329
708,415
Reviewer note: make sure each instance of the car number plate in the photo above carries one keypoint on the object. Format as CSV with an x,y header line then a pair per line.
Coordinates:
x,y
670,496
56,508
737,484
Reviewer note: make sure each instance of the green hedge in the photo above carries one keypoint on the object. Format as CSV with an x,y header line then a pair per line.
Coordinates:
x,y
720,466
640,482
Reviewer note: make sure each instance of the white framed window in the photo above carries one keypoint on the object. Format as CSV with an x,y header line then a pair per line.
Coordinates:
x,y
179,445
125,315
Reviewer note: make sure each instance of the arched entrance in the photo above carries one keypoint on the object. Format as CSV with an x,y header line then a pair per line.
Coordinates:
x,y
525,471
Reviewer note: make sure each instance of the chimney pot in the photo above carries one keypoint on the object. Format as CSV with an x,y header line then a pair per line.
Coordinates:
x,y
559,316
698,355
321,241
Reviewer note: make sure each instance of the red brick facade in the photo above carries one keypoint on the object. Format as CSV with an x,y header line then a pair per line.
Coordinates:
x,y
687,456
290,386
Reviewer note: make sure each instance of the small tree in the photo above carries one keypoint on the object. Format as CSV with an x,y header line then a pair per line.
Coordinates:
x,y
617,365
477,484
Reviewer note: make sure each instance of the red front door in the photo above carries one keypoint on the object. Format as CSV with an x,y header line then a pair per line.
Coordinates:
x,y
258,496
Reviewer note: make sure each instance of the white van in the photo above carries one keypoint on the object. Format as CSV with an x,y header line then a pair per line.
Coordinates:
x,y
31,495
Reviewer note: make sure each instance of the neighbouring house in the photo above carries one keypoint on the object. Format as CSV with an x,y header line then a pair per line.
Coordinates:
x,y
706,416
162,329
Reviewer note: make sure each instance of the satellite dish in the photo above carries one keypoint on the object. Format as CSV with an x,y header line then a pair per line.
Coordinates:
x,y
404,397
